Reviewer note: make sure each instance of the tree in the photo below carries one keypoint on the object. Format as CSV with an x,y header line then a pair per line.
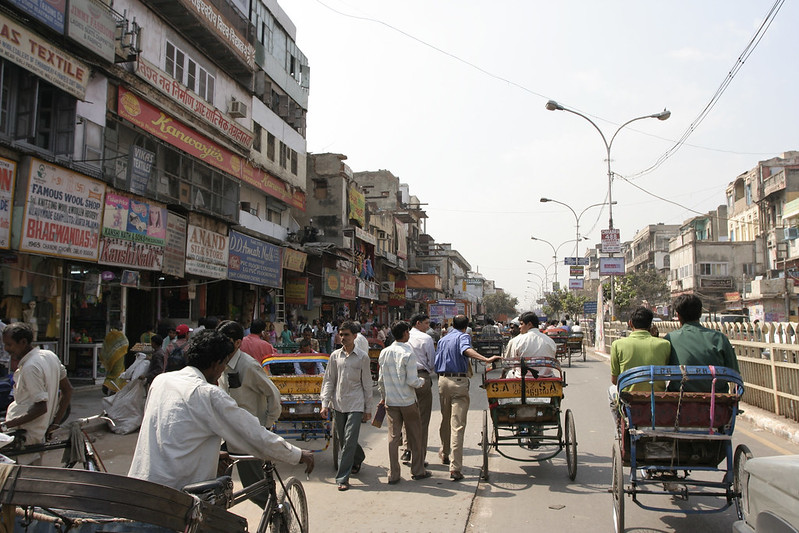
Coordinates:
x,y
554,305
635,288
500,303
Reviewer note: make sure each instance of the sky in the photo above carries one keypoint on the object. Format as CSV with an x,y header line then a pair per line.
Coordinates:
x,y
450,97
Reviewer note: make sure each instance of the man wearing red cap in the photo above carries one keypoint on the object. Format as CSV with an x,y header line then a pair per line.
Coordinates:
x,y
175,351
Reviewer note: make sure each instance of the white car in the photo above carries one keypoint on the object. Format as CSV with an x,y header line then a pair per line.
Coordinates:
x,y
769,495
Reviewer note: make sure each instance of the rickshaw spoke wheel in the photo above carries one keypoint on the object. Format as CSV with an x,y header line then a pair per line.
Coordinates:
x,y
617,490
485,446
571,445
739,478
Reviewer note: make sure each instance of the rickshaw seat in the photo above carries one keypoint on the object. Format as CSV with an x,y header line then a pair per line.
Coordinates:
x,y
694,408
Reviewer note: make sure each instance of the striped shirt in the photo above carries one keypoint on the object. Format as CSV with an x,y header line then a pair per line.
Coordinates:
x,y
398,375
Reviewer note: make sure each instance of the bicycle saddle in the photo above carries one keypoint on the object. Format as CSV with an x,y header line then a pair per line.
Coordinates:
x,y
214,491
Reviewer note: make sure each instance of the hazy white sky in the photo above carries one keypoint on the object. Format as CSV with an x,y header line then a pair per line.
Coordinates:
x,y
476,144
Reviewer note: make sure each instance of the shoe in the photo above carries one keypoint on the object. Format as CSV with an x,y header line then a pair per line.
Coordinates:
x,y
455,475
394,481
355,469
343,486
406,456
444,458
426,475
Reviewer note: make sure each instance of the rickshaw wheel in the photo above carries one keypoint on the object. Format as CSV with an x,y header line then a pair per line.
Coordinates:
x,y
571,445
485,446
336,448
582,348
617,490
739,476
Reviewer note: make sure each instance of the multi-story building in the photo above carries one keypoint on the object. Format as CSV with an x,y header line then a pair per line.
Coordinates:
x,y
649,249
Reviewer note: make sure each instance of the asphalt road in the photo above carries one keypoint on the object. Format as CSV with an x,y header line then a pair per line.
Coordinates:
x,y
518,496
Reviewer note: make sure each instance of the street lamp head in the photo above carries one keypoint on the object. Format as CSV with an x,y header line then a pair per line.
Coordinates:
x,y
663,115
552,105
544,200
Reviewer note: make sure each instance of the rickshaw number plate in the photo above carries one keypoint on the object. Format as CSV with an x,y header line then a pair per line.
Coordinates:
x,y
513,389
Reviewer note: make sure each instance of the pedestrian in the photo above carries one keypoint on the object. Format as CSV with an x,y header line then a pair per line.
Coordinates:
x,y
397,381
254,344
424,350
248,384
452,367
158,359
530,343
347,390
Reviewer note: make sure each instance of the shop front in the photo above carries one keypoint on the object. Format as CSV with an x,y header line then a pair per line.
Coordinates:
x,y
255,268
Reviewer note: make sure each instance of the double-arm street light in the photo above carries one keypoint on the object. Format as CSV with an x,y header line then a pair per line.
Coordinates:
x,y
546,270
576,219
555,250
552,105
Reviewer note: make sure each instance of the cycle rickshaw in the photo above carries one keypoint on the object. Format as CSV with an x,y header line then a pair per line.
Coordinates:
x,y
525,412
665,436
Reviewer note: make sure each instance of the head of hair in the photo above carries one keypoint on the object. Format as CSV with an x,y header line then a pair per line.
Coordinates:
x,y
257,326
19,331
156,340
399,328
529,318
490,321
641,318
688,306
231,329
208,348
305,342
460,322
418,317
351,325
211,322
309,331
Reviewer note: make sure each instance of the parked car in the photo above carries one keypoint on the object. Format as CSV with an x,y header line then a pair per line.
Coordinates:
x,y
770,495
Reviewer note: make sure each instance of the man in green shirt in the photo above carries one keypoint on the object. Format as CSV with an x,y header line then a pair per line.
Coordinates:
x,y
694,344
640,348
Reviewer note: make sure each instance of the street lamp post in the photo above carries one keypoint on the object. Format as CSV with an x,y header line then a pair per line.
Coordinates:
x,y
576,219
545,267
552,105
555,250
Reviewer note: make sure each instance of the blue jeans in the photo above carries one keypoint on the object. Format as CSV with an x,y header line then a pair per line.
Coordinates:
x,y
348,429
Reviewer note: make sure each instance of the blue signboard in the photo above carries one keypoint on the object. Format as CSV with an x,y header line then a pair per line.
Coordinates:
x,y
50,12
589,308
254,261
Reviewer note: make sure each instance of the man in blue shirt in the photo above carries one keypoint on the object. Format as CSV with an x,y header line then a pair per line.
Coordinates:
x,y
452,367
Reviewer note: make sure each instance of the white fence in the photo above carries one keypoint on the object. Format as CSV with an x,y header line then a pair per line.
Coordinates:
x,y
768,357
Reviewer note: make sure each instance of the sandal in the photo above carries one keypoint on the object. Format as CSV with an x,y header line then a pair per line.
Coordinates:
x,y
343,486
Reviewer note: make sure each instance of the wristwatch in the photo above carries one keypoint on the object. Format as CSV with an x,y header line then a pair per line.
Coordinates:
x,y
3,427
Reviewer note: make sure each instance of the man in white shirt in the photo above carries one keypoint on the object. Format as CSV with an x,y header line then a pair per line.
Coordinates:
x,y
42,392
423,348
187,416
530,343
361,342
397,381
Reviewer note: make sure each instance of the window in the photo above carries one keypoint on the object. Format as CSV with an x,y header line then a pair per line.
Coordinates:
x,y
190,73
256,139
294,162
283,158
712,269
748,269
320,189
270,146
748,194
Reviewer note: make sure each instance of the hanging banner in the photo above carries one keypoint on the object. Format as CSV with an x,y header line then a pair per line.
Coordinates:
x,y
206,252
254,261
8,177
175,249
63,213
402,240
356,206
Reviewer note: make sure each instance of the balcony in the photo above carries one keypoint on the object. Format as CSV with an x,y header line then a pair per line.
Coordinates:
x,y
774,183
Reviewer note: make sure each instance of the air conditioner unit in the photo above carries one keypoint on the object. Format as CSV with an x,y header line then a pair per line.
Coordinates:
x,y
791,234
238,109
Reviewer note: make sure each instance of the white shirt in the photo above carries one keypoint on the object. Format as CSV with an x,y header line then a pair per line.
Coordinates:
x,y
362,344
185,420
36,379
531,344
423,348
255,391
398,376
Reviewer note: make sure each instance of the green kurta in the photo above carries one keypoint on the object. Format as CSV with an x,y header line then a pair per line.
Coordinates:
x,y
694,344
640,348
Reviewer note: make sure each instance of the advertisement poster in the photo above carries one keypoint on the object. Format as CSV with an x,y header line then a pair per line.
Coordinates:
x,y
63,213
175,248
338,284
133,220
8,175
206,253
254,261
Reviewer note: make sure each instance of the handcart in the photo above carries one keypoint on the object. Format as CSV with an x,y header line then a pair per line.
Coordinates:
x,y
575,345
562,351
525,412
664,437
298,378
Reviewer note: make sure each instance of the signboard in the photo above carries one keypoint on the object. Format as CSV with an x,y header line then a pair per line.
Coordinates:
x,y
576,283
214,21
125,253
63,213
589,308
92,25
133,220
294,260
583,261
297,291
706,283
397,297
254,261
42,58
139,169
611,241
368,289
175,246
206,252
511,388
356,206
8,175
51,12
611,266
555,285
338,284
569,261
577,271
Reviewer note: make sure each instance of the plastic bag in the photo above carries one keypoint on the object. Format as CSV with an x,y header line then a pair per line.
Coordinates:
x,y
126,408
139,368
